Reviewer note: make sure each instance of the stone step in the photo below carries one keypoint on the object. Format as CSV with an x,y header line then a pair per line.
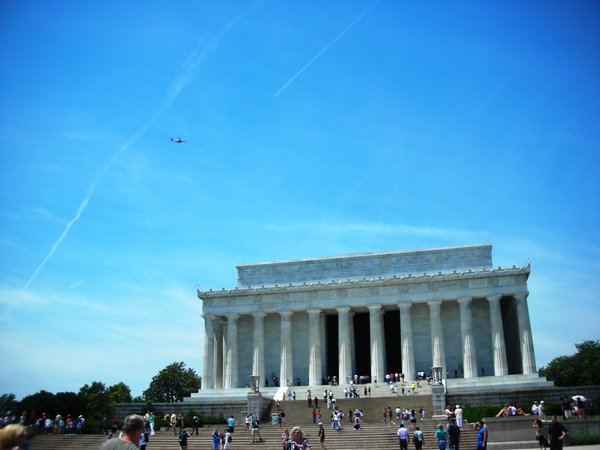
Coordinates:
x,y
371,435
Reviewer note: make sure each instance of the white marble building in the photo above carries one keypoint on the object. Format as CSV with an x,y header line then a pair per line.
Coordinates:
x,y
368,314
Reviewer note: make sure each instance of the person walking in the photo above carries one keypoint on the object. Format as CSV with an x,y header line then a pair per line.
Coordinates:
x,y
418,439
453,435
322,436
556,434
183,435
440,435
402,437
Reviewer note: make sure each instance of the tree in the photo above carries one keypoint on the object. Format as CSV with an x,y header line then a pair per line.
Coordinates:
x,y
9,406
580,369
173,383
96,400
119,393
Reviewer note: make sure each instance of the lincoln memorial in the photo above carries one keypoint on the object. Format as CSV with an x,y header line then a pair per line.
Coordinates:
x,y
368,314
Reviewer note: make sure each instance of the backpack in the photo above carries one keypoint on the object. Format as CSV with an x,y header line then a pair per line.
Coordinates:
x,y
229,438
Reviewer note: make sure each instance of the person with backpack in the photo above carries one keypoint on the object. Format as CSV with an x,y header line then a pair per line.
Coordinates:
x,y
418,438
227,438
183,435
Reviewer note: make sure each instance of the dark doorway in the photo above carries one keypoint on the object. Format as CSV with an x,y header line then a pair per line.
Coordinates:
x,y
332,345
391,326
362,344
510,325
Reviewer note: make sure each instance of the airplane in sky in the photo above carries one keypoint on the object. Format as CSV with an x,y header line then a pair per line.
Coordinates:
x,y
178,140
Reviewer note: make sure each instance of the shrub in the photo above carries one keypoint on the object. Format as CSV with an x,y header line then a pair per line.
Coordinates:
x,y
584,440
476,413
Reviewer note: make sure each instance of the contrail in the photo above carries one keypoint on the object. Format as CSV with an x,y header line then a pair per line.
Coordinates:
x,y
325,49
90,191
184,78
189,69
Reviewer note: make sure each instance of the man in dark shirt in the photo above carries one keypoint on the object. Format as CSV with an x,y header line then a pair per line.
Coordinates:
x,y
453,435
556,434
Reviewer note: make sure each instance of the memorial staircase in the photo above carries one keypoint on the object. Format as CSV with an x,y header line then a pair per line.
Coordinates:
x,y
370,436
373,433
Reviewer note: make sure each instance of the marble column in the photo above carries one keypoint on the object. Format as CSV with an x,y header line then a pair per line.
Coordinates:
x,y
498,344
352,344
315,374
208,367
286,367
468,340
438,350
220,349
525,339
258,353
345,358
406,340
231,374
377,343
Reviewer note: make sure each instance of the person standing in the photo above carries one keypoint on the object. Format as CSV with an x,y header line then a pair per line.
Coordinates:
x,y
556,434
133,427
458,411
440,435
453,435
540,436
403,437
482,435
195,424
151,422
542,410
216,439
231,423
173,423
297,441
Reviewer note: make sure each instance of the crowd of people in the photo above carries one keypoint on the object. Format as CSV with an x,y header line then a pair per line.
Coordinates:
x,y
59,424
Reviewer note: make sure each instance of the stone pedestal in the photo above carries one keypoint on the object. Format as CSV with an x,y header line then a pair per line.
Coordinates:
x,y
438,399
259,406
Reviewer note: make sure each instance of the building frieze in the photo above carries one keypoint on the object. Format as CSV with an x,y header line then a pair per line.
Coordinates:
x,y
389,291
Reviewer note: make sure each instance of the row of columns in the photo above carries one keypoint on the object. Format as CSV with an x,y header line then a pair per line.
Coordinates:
x,y
217,348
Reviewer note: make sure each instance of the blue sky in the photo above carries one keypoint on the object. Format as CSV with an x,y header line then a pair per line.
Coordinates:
x,y
314,129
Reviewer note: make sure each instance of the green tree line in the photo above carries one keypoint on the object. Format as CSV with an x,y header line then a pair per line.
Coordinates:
x,y
96,402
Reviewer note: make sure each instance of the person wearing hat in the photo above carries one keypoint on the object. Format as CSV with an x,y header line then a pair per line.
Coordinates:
x,y
133,427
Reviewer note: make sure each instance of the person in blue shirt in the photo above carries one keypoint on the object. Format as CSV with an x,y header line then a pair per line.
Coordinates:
x,y
403,437
482,435
440,434
216,439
